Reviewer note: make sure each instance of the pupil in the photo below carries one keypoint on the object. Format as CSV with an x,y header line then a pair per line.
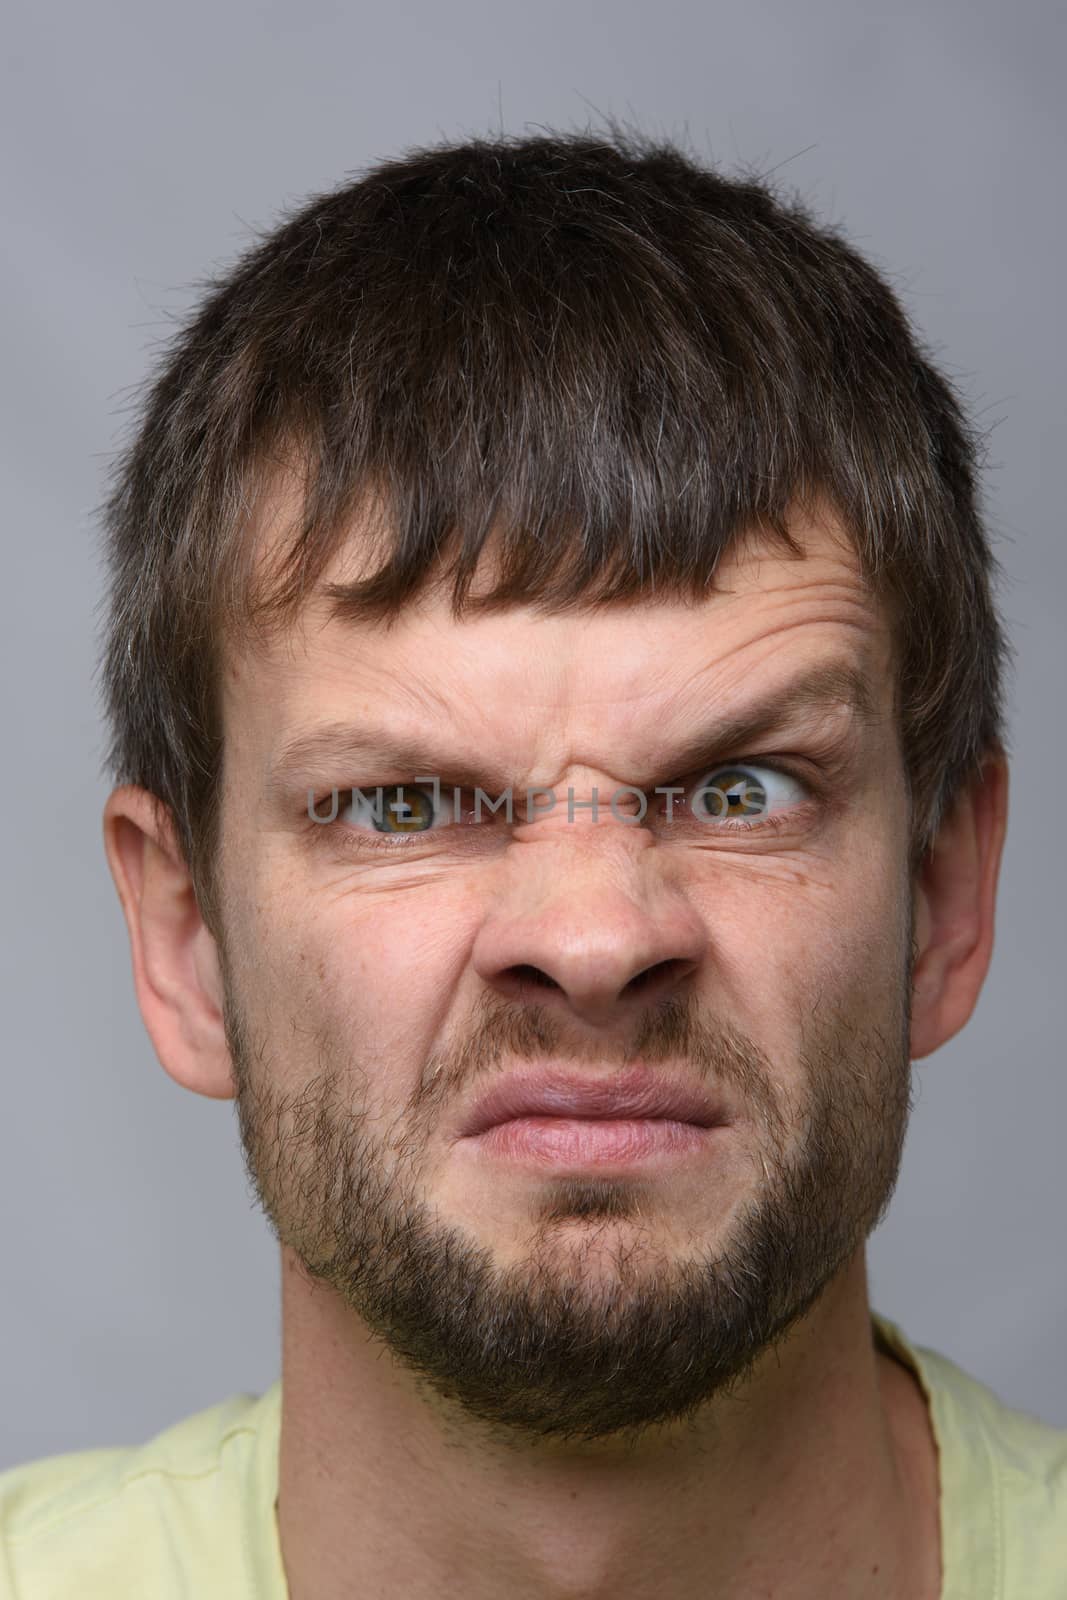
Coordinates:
x,y
414,810
741,796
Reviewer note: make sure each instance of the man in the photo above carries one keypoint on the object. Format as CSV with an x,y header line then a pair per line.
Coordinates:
x,y
556,694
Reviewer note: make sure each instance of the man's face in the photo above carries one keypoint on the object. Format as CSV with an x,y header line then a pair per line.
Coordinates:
x,y
378,982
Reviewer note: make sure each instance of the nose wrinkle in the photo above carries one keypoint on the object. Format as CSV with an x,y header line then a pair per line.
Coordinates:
x,y
595,932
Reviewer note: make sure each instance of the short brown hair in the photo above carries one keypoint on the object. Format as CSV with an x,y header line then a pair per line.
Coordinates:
x,y
616,357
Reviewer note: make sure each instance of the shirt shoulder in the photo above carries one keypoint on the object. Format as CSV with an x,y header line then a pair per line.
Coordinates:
x,y
191,1510
1003,1484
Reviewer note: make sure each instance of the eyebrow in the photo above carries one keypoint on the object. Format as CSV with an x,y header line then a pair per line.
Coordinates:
x,y
315,755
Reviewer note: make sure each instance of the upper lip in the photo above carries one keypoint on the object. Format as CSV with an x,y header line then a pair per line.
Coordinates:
x,y
555,1092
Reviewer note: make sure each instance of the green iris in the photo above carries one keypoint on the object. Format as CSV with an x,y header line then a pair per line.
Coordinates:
x,y
416,818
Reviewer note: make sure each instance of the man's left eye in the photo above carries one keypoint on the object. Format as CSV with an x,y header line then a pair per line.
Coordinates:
x,y
746,789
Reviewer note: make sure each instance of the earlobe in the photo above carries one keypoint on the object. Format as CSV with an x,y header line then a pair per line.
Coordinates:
x,y
955,902
175,960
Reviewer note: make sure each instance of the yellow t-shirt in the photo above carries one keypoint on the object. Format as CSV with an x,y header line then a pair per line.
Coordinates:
x,y
191,1512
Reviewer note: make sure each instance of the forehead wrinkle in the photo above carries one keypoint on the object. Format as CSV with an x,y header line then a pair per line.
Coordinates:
x,y
807,698
751,660
352,649
769,610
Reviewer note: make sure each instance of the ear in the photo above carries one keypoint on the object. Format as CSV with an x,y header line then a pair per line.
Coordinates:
x,y
955,899
176,970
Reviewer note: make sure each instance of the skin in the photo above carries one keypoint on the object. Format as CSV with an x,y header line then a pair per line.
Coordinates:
x,y
360,1001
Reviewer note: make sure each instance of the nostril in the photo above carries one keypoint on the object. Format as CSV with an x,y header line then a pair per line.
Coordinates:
x,y
525,973
660,972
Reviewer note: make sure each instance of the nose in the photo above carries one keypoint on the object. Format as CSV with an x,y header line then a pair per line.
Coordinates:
x,y
592,931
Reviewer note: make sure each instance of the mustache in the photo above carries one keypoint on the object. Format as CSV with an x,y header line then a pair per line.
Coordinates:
x,y
669,1032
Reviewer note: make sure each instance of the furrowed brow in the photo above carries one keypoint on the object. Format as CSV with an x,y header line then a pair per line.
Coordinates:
x,y
343,749
827,687
340,751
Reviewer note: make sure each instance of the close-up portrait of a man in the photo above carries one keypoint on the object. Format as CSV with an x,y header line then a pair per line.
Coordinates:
x,y
556,700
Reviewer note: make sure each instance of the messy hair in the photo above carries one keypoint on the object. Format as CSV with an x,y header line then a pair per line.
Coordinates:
x,y
593,347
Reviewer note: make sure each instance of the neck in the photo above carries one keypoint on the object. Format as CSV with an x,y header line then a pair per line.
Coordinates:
x,y
816,1475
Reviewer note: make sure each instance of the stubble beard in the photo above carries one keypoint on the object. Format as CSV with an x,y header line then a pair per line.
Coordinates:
x,y
553,1345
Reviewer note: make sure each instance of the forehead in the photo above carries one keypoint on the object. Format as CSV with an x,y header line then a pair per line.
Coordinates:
x,y
582,683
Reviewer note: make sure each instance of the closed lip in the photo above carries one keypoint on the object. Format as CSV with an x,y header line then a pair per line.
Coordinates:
x,y
637,1093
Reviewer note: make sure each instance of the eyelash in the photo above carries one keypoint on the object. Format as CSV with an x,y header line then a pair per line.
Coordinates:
x,y
770,822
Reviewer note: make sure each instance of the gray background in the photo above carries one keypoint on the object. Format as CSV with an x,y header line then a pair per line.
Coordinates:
x,y
141,142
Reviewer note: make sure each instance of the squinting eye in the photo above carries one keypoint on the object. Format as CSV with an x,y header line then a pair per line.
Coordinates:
x,y
744,790
397,808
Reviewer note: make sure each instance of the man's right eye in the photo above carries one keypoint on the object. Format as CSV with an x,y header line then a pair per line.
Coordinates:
x,y
400,808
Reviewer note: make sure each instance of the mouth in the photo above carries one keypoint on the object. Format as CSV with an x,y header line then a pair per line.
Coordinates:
x,y
592,1141
556,1103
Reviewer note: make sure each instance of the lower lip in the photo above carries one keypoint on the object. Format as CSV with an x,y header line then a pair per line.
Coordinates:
x,y
591,1141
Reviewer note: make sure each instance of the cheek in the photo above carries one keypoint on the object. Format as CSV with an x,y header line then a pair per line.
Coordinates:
x,y
355,973
782,949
